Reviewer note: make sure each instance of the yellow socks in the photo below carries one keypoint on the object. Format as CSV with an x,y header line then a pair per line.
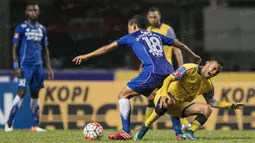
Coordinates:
x,y
152,118
195,126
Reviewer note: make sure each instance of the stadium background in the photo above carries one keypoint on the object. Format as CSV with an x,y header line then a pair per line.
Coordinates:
x,y
81,94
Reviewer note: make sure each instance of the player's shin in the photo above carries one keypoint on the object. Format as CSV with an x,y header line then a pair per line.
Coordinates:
x,y
34,105
153,117
185,122
15,106
158,112
149,109
176,125
125,112
148,112
198,122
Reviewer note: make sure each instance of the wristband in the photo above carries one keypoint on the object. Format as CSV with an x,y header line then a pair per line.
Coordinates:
x,y
15,65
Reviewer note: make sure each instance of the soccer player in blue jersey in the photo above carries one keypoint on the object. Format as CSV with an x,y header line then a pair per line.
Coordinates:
x,y
31,38
148,47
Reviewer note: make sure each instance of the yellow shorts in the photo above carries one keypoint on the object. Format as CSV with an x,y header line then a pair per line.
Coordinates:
x,y
177,110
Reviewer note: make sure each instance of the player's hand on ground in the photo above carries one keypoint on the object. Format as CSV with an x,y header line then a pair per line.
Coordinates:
x,y
77,60
238,106
50,74
17,72
197,59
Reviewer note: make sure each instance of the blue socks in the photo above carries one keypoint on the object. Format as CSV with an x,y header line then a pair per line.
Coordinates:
x,y
35,111
176,125
15,106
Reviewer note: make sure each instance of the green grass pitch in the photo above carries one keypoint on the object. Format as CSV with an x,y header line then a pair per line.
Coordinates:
x,y
153,136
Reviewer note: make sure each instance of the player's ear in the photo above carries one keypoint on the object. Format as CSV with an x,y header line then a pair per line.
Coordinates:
x,y
26,13
135,27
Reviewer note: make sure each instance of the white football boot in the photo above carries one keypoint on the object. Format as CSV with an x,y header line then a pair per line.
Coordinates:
x,y
7,128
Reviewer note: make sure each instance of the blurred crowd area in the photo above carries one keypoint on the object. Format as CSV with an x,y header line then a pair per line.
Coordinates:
x,y
80,26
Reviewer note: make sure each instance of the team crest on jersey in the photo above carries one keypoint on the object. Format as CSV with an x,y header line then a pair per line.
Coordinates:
x,y
23,25
180,72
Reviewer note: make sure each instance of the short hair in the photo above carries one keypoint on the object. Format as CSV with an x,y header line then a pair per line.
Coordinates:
x,y
140,21
152,9
31,3
217,59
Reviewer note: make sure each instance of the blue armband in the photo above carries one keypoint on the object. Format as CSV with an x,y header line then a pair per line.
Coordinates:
x,y
15,65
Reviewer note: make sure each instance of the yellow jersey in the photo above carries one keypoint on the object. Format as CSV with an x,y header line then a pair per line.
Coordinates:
x,y
188,83
166,30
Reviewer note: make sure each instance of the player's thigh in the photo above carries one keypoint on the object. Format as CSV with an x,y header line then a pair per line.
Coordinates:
x,y
195,108
177,108
24,80
37,81
145,83
127,92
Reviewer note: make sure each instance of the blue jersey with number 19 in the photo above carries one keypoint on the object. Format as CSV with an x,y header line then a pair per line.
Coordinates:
x,y
148,47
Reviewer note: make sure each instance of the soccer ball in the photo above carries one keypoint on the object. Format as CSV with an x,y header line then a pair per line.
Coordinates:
x,y
93,131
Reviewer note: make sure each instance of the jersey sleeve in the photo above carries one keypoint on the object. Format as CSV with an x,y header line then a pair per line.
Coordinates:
x,y
123,41
208,96
45,38
179,73
171,33
17,35
166,40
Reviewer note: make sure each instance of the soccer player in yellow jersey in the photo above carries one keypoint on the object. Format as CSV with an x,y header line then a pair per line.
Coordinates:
x,y
180,89
154,18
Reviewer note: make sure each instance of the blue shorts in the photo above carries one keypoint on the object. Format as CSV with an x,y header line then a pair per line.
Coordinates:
x,y
146,82
32,76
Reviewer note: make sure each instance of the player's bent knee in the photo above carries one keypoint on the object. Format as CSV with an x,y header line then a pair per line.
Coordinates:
x,y
209,110
205,110
21,92
160,110
34,94
128,96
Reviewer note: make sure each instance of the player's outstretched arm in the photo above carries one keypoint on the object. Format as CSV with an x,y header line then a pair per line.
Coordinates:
x,y
103,50
220,104
178,56
47,63
182,46
16,68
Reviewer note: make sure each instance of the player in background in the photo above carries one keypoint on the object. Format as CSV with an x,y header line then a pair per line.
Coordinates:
x,y
31,38
183,86
148,47
154,18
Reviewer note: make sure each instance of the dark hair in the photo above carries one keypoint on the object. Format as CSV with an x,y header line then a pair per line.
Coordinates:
x,y
31,3
217,59
140,21
152,9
